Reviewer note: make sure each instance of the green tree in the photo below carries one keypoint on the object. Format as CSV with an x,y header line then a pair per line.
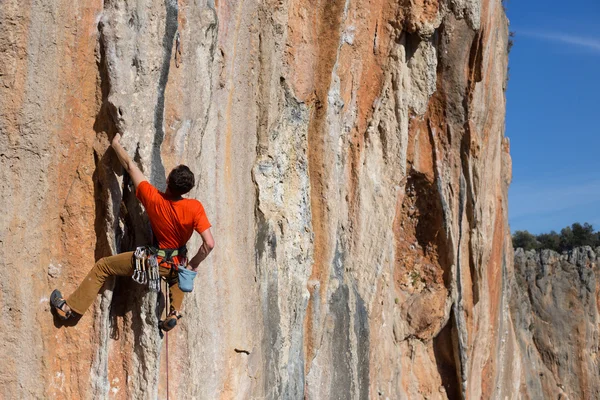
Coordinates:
x,y
576,235
549,241
566,238
524,240
583,235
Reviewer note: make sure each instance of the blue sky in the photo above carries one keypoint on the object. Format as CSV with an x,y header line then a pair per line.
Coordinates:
x,y
553,114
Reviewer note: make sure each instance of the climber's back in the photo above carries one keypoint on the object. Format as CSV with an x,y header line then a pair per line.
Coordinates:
x,y
173,219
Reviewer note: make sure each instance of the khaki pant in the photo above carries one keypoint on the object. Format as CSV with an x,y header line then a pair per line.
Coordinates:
x,y
119,265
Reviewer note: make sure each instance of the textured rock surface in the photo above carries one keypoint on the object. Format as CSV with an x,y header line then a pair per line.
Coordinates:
x,y
350,155
555,309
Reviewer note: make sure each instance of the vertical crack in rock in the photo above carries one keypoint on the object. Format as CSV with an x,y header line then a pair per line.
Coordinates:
x,y
445,348
120,218
266,244
361,333
107,188
450,345
171,26
459,310
108,196
504,340
474,267
341,380
339,313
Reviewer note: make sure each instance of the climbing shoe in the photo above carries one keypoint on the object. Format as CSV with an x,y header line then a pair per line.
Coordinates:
x,y
57,302
170,322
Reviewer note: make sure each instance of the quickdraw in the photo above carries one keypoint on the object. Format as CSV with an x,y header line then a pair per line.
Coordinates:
x,y
146,268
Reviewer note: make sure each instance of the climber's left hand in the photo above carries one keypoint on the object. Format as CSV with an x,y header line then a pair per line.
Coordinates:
x,y
116,139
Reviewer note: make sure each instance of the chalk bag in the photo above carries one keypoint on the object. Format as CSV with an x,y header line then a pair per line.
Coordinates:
x,y
186,279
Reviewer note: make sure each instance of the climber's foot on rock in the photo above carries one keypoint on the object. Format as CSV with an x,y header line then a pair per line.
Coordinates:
x,y
59,304
170,322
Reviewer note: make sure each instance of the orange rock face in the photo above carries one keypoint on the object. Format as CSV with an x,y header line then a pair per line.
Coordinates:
x,y
350,156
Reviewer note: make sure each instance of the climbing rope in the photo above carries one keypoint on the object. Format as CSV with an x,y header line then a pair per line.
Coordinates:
x,y
167,310
177,49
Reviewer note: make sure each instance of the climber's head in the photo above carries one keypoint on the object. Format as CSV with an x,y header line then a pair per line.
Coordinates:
x,y
180,180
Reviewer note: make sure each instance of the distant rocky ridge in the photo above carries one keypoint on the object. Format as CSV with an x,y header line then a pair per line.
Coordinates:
x,y
554,306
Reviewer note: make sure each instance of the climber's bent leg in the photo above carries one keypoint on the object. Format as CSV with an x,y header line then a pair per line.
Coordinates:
x,y
175,299
83,297
175,294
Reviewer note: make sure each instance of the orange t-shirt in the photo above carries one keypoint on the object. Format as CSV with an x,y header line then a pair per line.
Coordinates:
x,y
172,221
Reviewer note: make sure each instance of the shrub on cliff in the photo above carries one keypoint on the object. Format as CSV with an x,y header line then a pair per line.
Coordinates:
x,y
525,240
583,235
549,241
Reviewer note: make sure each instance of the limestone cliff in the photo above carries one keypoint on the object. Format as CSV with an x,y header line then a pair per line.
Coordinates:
x,y
554,305
350,155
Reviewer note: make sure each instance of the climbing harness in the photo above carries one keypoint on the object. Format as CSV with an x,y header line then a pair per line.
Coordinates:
x,y
177,49
147,261
167,255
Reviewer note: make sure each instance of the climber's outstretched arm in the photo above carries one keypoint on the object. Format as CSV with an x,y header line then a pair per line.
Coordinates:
x,y
208,243
134,172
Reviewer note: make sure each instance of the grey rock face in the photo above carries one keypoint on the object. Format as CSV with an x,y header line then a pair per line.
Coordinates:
x,y
554,306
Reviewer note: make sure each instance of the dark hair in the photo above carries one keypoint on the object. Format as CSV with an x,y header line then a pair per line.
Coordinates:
x,y
181,180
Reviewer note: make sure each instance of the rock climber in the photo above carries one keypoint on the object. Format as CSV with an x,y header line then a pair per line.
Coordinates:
x,y
173,220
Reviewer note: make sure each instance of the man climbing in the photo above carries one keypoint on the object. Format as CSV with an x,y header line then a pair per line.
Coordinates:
x,y
173,220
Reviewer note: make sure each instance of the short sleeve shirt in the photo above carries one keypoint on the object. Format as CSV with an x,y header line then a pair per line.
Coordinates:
x,y
173,221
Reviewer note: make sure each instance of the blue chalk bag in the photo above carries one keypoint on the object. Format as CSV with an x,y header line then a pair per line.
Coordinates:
x,y
186,279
